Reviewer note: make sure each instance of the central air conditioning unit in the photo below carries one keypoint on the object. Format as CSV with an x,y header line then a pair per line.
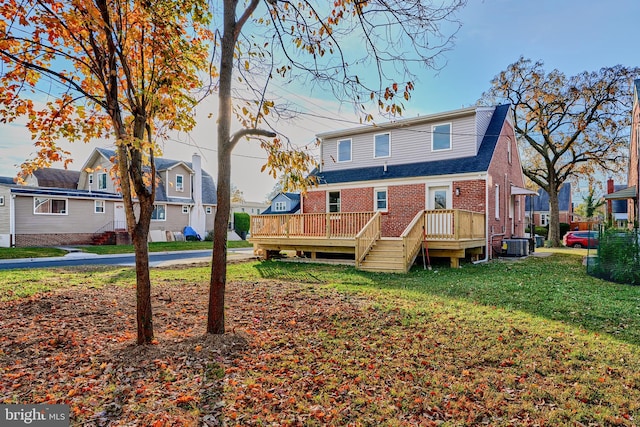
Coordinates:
x,y
515,247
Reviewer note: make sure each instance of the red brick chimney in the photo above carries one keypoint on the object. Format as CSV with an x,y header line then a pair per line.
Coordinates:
x,y
610,189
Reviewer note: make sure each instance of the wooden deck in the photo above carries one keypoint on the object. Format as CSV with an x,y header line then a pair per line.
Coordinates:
x,y
450,233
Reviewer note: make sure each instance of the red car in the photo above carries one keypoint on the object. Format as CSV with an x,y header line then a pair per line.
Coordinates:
x,y
581,239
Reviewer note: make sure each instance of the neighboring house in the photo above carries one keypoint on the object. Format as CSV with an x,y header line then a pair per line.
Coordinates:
x,y
631,194
58,215
538,206
457,172
617,209
284,203
251,208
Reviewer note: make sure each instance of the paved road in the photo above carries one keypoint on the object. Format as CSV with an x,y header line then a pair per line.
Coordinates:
x,y
156,259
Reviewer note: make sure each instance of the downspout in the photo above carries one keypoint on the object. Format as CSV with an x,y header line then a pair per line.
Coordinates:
x,y
486,223
12,220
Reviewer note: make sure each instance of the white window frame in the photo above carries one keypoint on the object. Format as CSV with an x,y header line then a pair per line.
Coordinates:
x,y
279,206
65,211
544,219
329,204
377,190
208,210
180,185
102,177
185,209
375,145
497,201
97,204
433,129
344,141
90,179
158,216
509,153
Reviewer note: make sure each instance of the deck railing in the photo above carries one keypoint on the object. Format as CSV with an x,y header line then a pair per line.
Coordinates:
x,y
454,224
320,225
412,238
367,237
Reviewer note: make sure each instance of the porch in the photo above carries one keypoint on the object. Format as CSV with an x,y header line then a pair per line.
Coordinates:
x,y
449,233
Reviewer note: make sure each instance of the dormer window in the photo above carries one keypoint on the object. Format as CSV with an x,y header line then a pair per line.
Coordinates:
x,y
382,145
441,137
102,181
280,206
344,150
179,183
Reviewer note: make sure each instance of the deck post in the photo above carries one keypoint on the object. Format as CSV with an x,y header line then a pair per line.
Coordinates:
x,y
456,225
328,224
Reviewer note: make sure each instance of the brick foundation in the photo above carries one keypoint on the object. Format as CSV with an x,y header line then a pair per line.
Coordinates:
x,y
53,239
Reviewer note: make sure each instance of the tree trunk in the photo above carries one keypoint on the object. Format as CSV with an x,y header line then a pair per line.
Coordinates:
x,y
143,286
554,217
215,318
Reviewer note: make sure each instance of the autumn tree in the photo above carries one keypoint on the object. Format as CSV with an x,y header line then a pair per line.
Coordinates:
x,y
119,69
568,128
364,52
590,204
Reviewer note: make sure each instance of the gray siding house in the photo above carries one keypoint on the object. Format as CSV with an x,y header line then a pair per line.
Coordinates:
x,y
51,210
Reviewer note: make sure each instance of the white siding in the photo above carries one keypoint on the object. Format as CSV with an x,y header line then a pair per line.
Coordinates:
x,y
81,217
5,210
409,144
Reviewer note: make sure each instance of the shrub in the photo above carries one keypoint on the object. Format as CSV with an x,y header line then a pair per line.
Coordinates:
x,y
564,228
541,231
618,257
241,221
209,236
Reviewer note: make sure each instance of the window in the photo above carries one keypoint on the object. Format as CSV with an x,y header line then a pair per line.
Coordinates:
x,y
280,206
44,206
90,178
382,145
179,183
258,210
509,156
102,181
99,206
208,210
344,150
185,209
159,213
441,137
440,199
544,219
380,200
1,200
497,201
334,201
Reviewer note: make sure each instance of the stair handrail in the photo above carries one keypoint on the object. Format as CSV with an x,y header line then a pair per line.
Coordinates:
x,y
366,238
412,239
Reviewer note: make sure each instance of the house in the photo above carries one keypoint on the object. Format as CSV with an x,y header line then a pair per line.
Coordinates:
x,y
284,203
251,208
538,206
50,212
632,191
617,209
453,180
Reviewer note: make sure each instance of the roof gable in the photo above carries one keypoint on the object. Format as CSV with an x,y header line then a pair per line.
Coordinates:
x,y
478,163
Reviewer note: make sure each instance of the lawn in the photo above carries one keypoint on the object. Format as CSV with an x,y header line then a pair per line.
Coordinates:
x,y
39,252
535,342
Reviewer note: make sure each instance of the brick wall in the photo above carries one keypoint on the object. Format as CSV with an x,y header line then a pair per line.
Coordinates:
x,y
472,195
356,199
53,239
404,202
315,202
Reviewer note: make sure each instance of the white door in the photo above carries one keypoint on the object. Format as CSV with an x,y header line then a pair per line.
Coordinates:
x,y
439,224
119,217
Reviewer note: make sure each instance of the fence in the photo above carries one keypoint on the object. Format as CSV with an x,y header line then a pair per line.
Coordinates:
x,y
618,257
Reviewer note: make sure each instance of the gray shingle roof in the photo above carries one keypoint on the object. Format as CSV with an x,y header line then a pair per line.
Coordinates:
x,y
209,191
57,178
478,163
541,201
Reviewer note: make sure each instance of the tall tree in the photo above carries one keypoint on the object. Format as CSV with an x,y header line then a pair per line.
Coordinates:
x,y
568,128
109,68
361,51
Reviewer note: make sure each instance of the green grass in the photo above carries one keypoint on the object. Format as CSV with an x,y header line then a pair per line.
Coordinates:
x,y
31,252
39,252
163,247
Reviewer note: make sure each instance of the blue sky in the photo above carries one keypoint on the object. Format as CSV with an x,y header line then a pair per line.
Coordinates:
x,y
570,35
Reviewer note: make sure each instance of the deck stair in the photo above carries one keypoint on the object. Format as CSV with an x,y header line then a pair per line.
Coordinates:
x,y
386,255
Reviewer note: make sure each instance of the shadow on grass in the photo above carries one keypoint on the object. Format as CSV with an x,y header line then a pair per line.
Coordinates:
x,y
556,288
